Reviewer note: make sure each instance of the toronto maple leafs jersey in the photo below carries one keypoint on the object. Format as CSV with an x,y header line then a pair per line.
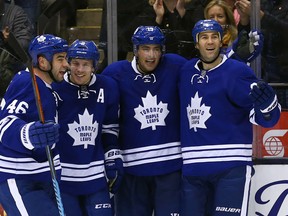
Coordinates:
x,y
88,118
216,133
149,116
18,107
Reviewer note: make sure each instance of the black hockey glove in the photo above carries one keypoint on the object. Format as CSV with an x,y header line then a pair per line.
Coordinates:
x,y
248,46
114,169
38,135
263,97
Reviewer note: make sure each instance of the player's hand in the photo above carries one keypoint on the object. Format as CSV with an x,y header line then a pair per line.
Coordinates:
x,y
248,46
256,41
263,97
114,169
39,135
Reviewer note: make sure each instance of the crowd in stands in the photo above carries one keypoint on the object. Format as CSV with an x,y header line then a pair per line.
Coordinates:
x,y
176,18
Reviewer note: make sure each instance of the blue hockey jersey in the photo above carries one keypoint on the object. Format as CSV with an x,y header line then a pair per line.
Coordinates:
x,y
149,116
18,107
88,118
216,116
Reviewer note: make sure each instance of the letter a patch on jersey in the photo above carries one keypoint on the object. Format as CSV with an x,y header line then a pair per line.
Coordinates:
x,y
151,114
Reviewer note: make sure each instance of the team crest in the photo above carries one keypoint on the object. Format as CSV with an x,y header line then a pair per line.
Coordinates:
x,y
42,38
197,114
151,114
84,132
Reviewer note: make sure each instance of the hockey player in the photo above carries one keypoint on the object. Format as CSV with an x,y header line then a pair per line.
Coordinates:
x,y
88,118
220,98
149,127
25,180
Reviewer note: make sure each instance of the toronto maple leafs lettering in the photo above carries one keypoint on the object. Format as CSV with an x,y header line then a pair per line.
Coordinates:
x,y
197,115
151,110
84,132
151,114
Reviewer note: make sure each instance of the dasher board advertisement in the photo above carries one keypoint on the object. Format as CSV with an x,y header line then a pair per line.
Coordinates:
x,y
274,140
269,190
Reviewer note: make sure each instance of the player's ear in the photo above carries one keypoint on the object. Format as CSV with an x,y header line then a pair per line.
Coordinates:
x,y
42,62
135,52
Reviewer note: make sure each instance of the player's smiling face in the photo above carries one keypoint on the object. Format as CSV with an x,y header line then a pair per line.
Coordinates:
x,y
59,66
81,71
148,57
209,44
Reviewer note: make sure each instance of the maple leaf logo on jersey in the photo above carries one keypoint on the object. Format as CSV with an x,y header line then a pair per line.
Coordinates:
x,y
42,38
197,114
84,132
151,114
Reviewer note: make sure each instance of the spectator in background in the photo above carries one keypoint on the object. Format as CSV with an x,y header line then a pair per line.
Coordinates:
x,y
231,4
32,9
171,17
220,11
242,47
12,19
176,18
274,25
173,8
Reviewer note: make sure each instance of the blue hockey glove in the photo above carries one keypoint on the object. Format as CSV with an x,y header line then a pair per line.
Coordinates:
x,y
114,169
248,46
38,135
263,97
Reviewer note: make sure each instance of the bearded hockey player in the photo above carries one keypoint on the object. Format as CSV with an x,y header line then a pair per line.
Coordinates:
x,y
220,98
25,179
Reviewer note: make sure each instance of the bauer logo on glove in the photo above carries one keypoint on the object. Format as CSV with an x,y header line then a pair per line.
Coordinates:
x,y
114,169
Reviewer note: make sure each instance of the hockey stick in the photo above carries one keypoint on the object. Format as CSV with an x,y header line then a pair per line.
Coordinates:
x,y
48,13
14,44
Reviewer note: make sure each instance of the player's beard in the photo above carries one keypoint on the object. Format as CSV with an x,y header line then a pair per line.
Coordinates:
x,y
209,59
